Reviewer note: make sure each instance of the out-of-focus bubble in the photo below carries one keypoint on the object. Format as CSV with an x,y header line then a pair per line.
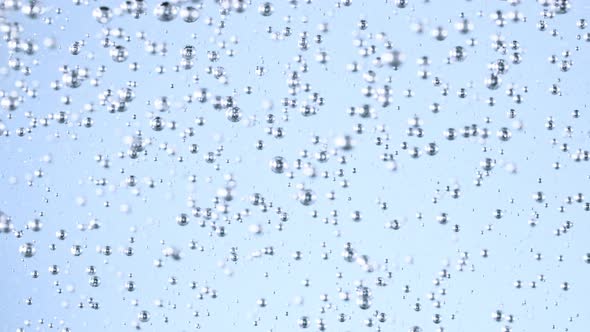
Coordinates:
x,y
166,11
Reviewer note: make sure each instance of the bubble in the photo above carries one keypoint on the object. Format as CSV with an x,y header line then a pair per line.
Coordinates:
x,y
119,53
76,250
401,3
504,134
189,14
9,103
182,219
76,48
442,219
265,9
143,316
431,149
27,250
493,81
233,114
278,165
35,225
130,286
157,123
166,11
458,53
94,281
439,33
306,197
487,164
303,322
393,59
188,52
102,14
53,269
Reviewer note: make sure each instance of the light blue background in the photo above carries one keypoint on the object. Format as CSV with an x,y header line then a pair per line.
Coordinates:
x,y
472,295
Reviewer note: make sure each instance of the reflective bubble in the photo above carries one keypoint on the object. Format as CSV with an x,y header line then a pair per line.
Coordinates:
x,y
102,14
233,114
278,164
143,316
119,53
27,250
265,9
166,11
189,14
306,197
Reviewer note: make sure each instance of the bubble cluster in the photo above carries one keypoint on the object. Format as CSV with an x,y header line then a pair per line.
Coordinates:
x,y
338,165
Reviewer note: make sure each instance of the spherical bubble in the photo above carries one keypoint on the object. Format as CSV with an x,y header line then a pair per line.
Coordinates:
x,y
233,114
102,14
94,281
344,142
161,104
27,250
363,303
32,9
464,26
143,316
9,103
261,302
431,149
182,219
166,11
303,322
189,14
72,78
157,123
119,53
393,58
439,33
265,9
487,164
130,286
136,7
504,134
61,234
278,164
75,48
306,197
76,250
442,219
493,81
401,3
458,53
35,225
188,52
239,5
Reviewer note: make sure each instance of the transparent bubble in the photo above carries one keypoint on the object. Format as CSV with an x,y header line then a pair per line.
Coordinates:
x,y
102,14
188,52
265,9
306,197
143,316
27,250
234,114
157,123
166,11
119,53
189,14
278,164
